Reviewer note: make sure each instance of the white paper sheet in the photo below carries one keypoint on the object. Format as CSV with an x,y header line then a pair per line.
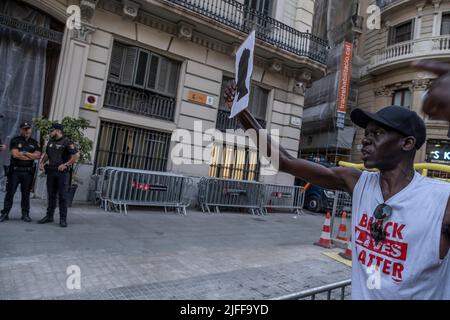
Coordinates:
x,y
244,70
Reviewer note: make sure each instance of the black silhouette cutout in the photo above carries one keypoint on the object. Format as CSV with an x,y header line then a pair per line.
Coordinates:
x,y
242,89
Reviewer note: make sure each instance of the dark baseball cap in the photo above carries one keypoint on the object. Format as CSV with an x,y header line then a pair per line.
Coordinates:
x,y
57,126
400,119
25,125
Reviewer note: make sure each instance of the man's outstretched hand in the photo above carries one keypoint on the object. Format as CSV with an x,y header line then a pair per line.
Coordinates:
x,y
436,103
230,92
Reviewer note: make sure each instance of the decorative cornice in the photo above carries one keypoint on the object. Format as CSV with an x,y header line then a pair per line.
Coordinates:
x,y
130,9
155,22
383,92
83,34
185,30
87,8
420,84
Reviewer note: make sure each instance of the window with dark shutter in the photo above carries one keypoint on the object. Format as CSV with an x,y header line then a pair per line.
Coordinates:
x,y
142,82
445,24
128,67
257,106
402,98
401,33
116,62
162,75
173,79
153,72
141,70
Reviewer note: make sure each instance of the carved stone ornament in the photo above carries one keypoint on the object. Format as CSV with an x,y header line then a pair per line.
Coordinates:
x,y
420,84
185,30
83,33
87,8
383,92
130,9
275,66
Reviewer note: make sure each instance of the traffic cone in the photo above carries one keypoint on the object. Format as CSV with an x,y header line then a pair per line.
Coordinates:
x,y
325,237
347,254
342,233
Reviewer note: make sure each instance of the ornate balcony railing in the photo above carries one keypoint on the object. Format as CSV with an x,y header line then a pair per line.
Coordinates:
x,y
384,3
224,122
139,102
243,18
424,47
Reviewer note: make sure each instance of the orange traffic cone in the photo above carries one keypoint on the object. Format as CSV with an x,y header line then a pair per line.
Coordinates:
x,y
347,254
325,237
342,233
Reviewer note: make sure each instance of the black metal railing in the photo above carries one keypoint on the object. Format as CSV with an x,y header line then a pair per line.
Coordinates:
x,y
245,19
130,147
314,292
384,3
139,101
224,122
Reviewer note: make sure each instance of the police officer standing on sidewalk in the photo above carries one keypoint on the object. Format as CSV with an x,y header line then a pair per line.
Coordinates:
x,y
24,151
60,154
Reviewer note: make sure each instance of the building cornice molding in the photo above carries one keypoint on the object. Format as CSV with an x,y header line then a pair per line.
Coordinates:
x,y
83,34
155,22
420,84
383,91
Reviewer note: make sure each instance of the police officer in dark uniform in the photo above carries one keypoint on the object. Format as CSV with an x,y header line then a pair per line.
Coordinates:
x,y
60,154
24,151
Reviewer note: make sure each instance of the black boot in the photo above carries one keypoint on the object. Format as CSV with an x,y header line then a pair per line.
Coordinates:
x,y
63,223
26,217
46,219
4,217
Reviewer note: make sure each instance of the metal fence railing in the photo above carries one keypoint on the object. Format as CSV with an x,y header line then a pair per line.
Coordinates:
x,y
226,193
224,122
259,198
283,197
244,18
319,292
137,101
118,188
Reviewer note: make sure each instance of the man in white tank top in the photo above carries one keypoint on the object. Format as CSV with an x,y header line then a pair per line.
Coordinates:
x,y
400,220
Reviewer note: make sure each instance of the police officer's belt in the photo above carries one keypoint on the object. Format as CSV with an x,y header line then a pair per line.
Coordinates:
x,y
23,169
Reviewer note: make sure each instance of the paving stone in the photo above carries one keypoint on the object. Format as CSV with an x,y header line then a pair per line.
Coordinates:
x,y
152,255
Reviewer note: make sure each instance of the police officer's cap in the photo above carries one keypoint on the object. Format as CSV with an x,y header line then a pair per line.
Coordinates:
x,y
57,126
25,125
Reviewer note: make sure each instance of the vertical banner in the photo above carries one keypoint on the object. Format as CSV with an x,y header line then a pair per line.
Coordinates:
x,y
244,70
344,83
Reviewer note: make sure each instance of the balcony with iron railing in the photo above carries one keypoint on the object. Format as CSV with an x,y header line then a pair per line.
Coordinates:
x,y
245,19
140,102
398,54
392,6
224,122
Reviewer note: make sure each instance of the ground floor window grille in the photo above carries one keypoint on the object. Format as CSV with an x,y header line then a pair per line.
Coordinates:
x,y
131,147
232,162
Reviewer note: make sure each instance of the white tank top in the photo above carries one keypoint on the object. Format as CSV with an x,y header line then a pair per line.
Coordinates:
x,y
405,265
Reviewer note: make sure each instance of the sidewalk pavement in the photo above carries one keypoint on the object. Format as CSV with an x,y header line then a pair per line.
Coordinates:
x,y
152,255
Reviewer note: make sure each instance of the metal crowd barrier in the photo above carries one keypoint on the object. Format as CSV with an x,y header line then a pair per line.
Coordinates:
x,y
216,192
342,202
118,188
258,197
284,197
312,293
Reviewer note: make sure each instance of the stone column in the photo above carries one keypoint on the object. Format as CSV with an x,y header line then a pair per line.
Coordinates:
x,y
418,24
67,92
436,17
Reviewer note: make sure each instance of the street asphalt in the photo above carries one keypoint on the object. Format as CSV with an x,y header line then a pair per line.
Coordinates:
x,y
149,254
